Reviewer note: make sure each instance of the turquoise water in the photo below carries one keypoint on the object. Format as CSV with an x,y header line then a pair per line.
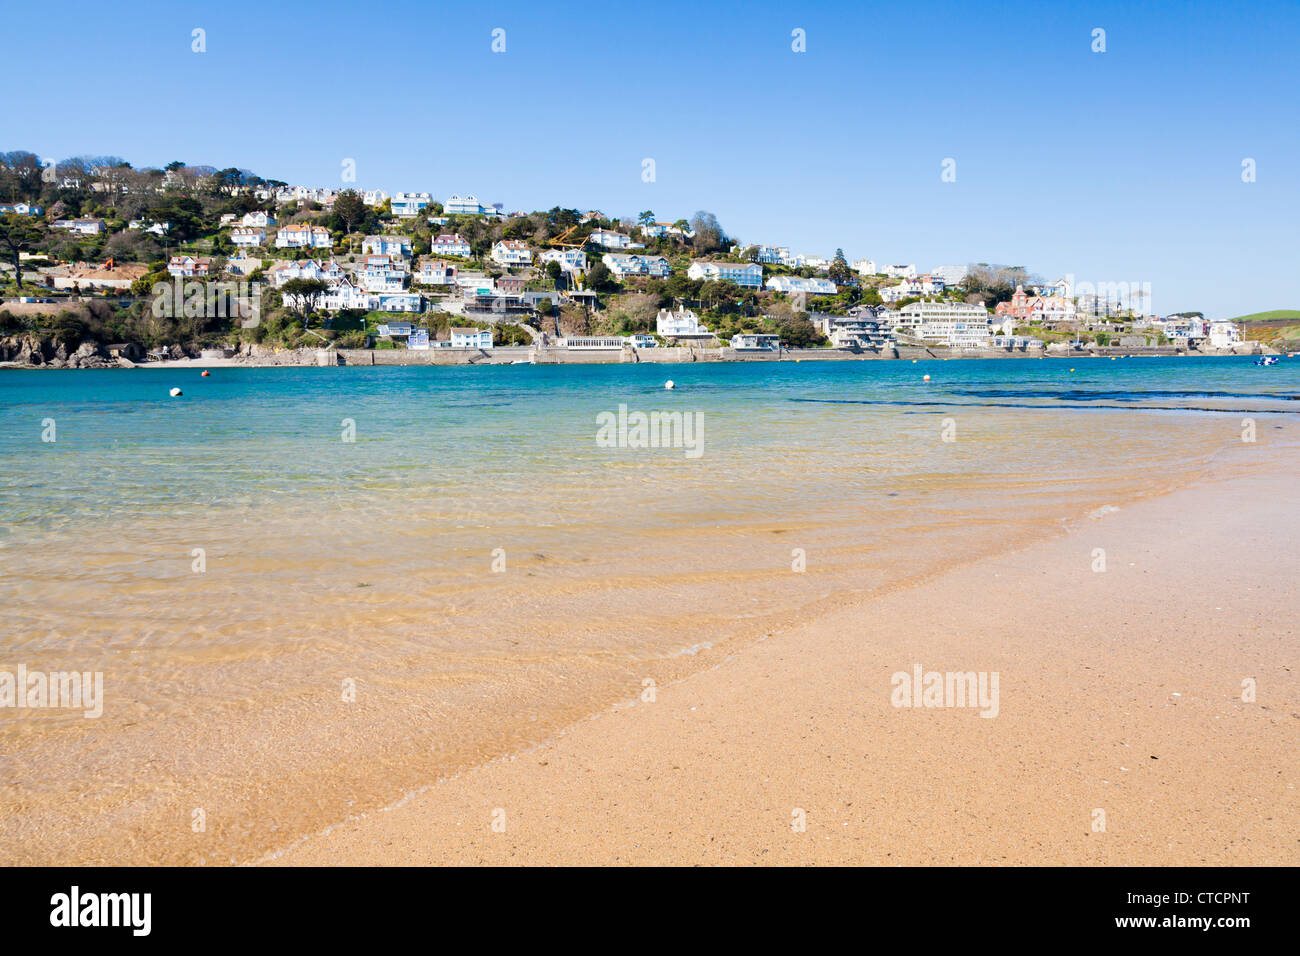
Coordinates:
x,y
125,448
375,559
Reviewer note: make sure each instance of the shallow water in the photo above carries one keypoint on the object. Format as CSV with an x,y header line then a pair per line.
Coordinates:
x,y
371,561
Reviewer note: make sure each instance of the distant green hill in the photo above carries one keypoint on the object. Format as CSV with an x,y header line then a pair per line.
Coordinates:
x,y
1279,328
1291,315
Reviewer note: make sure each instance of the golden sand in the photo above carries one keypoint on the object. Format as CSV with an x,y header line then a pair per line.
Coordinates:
x,y
1122,735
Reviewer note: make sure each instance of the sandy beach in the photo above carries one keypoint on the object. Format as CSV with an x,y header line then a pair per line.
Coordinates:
x,y
1121,735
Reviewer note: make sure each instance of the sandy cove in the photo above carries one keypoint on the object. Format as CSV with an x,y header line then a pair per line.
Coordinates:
x,y
1120,692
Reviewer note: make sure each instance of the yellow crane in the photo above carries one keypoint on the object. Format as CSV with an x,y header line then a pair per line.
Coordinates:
x,y
561,243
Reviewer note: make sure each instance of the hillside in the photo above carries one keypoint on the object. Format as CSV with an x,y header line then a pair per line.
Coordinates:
x,y
1279,328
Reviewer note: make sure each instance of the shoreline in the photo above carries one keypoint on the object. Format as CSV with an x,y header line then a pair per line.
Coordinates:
x,y
711,770
528,355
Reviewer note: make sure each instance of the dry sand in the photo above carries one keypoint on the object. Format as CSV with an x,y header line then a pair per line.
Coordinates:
x,y
1120,692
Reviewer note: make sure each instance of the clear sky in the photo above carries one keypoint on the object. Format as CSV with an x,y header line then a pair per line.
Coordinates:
x,y
1122,166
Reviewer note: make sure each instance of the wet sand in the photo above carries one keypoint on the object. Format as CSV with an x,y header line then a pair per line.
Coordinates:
x,y
1120,695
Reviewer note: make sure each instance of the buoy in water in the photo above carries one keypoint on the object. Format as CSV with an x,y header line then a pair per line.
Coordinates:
x,y
669,384
925,378
205,374
175,393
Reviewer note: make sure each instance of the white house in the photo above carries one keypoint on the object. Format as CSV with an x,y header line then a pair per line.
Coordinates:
x,y
909,288
512,252
655,230
899,272
865,267
683,324
21,209
248,237
303,236
746,274
608,239
410,204
83,227
386,245
187,266
467,206
570,260
773,255
451,245
1224,335
332,272
258,219
374,197
397,302
471,338
382,273
623,265
798,284
436,272
154,228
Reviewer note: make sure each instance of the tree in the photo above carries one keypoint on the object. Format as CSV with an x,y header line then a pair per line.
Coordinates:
x,y
553,271
600,279
839,270
350,209
646,218
17,235
20,176
301,295
709,236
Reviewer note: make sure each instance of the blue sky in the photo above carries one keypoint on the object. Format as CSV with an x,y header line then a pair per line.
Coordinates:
x,y
1122,166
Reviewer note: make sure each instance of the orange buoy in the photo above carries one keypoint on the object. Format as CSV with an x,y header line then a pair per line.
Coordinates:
x,y
925,378
205,374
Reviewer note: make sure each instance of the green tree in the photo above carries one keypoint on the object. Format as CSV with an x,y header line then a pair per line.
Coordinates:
x,y
350,209
302,295
600,279
17,235
839,270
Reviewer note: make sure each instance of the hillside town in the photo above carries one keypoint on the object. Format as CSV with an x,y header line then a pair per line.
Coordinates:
x,y
188,260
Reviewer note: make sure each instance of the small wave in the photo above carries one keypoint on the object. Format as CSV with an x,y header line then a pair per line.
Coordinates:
x,y
693,649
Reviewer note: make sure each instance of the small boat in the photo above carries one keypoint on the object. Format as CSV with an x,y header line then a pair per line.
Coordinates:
x,y
1266,360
